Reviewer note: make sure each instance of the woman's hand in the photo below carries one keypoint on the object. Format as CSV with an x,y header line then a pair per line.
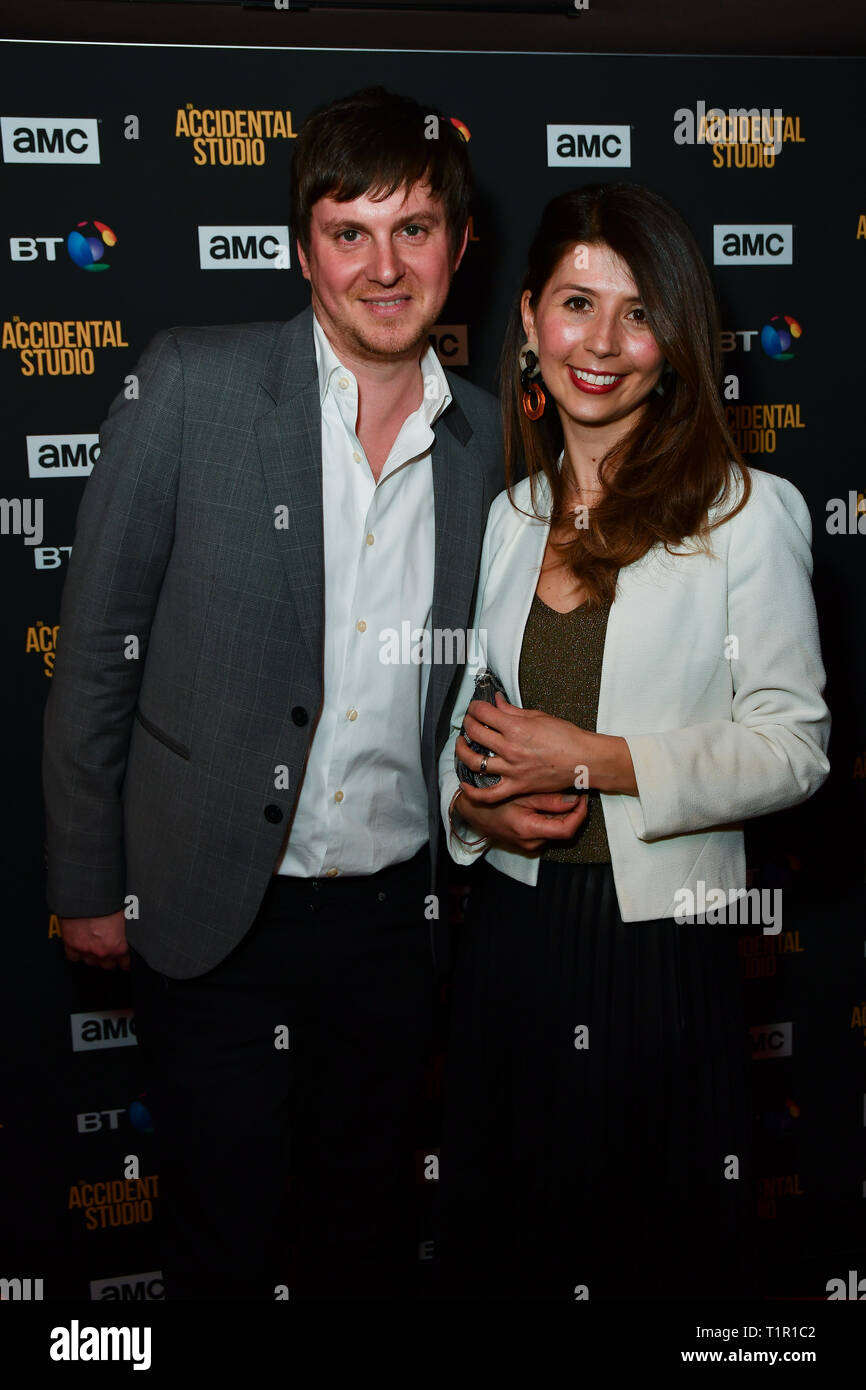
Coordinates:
x,y
525,824
536,752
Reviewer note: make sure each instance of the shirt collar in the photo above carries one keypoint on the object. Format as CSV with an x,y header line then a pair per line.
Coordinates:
x,y
329,366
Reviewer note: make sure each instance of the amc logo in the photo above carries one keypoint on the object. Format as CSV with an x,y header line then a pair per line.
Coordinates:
x,y
61,455
753,245
49,140
588,146
243,248
129,1288
771,1040
103,1028
450,343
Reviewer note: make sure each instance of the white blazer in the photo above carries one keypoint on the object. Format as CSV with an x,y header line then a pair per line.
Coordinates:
x,y
712,673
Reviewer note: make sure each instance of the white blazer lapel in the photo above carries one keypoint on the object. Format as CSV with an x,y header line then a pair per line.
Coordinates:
x,y
634,614
525,566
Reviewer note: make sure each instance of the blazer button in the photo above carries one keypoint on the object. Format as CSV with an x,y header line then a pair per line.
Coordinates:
x,y
273,814
299,715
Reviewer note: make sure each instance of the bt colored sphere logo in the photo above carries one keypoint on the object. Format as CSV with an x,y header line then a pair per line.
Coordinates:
x,y
86,245
139,1116
778,335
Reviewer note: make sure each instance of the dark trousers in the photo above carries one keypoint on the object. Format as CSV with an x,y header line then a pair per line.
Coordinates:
x,y
345,966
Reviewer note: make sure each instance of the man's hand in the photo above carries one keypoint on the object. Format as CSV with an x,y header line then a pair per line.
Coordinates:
x,y
525,823
96,940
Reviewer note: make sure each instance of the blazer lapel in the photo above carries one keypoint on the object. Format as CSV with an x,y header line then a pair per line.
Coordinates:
x,y
459,528
639,599
290,448
525,567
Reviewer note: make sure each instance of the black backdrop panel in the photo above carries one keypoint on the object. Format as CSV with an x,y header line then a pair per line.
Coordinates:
x,y
110,148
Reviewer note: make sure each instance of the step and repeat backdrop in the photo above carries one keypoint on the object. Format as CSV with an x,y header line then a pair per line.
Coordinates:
x,y
146,187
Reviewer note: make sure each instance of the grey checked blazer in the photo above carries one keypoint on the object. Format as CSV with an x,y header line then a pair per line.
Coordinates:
x,y
159,766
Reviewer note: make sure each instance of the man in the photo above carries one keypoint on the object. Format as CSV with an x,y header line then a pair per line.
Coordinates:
x,y
228,755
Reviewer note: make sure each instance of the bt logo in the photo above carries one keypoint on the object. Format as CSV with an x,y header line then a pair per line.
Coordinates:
x,y
137,1113
777,335
86,245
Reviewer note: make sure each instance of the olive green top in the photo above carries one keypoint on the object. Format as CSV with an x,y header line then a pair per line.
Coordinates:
x,y
560,673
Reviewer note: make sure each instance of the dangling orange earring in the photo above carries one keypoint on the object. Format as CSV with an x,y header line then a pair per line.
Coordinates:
x,y
533,399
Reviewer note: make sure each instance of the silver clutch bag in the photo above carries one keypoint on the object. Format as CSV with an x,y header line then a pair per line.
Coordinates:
x,y
487,684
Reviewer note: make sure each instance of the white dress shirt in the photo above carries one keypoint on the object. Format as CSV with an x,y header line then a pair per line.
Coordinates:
x,y
363,802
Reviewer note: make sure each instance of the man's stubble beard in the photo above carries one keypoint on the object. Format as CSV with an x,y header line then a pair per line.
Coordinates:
x,y
385,352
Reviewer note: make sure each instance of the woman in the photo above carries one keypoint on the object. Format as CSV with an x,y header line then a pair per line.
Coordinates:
x,y
645,600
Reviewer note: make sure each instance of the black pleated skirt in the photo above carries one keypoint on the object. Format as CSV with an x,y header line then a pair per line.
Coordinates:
x,y
597,1115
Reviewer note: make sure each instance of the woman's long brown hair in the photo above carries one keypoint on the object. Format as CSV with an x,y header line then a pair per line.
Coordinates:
x,y
676,462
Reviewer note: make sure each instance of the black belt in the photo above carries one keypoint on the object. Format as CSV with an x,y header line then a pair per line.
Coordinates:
x,y
357,888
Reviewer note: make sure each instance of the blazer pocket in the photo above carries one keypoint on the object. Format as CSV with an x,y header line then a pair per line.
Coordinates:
x,y
162,737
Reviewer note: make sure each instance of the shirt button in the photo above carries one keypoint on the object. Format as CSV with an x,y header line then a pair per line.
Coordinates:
x,y
361,625
351,714
338,796
332,873
370,537
356,456
343,383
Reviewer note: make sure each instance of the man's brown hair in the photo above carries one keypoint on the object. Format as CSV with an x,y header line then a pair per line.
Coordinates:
x,y
377,142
